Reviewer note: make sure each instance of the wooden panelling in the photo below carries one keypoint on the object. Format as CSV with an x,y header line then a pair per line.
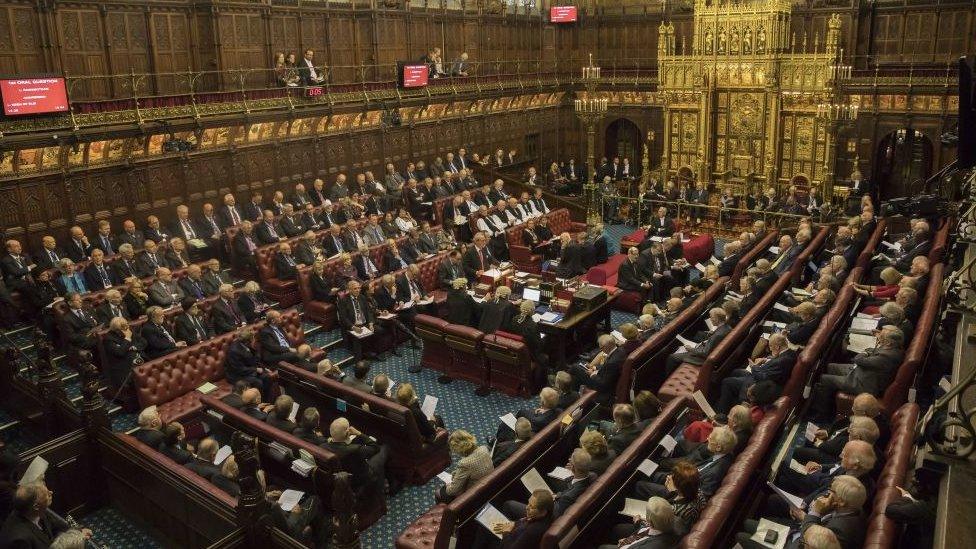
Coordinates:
x,y
20,40
171,51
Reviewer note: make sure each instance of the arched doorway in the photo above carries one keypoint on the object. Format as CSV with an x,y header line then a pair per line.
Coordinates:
x,y
623,139
904,158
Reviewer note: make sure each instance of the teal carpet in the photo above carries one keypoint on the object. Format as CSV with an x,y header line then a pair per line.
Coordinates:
x,y
110,528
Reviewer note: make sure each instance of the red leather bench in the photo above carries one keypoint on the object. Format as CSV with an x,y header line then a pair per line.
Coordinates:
x,y
467,360
436,528
510,366
882,532
415,460
437,355
522,256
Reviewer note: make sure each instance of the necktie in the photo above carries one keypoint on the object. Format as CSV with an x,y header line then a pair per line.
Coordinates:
x,y
481,258
116,311
54,256
250,244
19,263
271,229
197,290
107,244
166,333
71,284
356,311
188,229
199,327
233,312
454,273
105,280
328,218
281,337
234,216
338,244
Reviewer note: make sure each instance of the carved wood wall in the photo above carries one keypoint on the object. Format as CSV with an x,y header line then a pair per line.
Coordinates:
x,y
90,37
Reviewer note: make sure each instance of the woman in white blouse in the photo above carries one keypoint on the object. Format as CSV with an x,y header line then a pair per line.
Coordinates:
x,y
405,222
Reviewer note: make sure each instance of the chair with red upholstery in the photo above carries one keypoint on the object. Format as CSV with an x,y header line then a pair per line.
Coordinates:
x,y
320,312
285,292
898,462
437,355
467,362
510,366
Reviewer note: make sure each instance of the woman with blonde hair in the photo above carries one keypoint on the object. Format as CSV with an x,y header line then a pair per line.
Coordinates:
x,y
601,455
475,463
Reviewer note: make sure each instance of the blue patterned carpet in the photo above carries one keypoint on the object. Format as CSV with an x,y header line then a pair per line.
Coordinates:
x,y
110,528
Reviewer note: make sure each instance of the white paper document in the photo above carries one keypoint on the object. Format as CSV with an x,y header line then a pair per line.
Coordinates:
x,y
536,317
771,324
634,508
619,337
533,481
863,315
802,292
365,332
811,432
700,267
689,344
35,471
703,404
865,324
561,473
792,500
550,316
445,477
289,499
798,467
294,412
710,325
774,249
668,443
765,525
715,261
429,405
509,419
488,517
222,454
945,384
492,273
781,307
647,467
858,343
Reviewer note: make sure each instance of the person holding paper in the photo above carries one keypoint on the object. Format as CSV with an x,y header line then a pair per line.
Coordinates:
x,y
775,367
712,461
357,317
539,418
251,404
697,354
309,428
474,464
857,459
623,429
662,224
871,372
406,396
478,258
30,525
828,443
526,532
788,251
566,493
280,416
505,448
839,510
411,290
655,531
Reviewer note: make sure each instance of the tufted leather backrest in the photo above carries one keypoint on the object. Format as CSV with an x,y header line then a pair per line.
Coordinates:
x,y
882,532
633,372
428,271
897,392
463,338
567,527
507,350
166,378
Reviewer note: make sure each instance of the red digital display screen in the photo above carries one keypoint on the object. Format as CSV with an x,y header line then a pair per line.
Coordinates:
x,y
415,76
24,96
562,14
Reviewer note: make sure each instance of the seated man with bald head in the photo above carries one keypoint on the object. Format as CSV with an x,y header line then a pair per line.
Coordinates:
x,y
360,455
203,463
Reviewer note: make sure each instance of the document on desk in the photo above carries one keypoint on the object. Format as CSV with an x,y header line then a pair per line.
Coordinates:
x,y
533,481
493,273
289,499
489,516
550,317
429,405
859,343
509,419
863,315
864,324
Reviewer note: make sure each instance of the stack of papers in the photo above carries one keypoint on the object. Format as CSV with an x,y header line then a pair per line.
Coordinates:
x,y
619,337
365,332
207,388
488,517
302,467
492,273
550,317
781,307
858,343
864,325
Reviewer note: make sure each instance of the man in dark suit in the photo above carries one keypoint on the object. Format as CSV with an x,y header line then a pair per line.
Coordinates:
x,y
126,265
190,326
275,346
631,277
286,268
16,266
279,416
123,351
97,274
527,531
776,367
49,256
111,308
566,492
243,245
79,324
130,235
547,411
449,270
228,215
871,372
788,251
624,428
225,315
241,364
603,371
359,455
733,252
357,317
79,248
183,227
203,462
30,525
699,352
291,222
149,260
253,210
712,461
570,258
478,259
269,231
104,240
309,74
159,341
154,230
661,225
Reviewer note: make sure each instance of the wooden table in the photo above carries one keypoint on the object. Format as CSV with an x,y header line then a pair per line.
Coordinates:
x,y
578,330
